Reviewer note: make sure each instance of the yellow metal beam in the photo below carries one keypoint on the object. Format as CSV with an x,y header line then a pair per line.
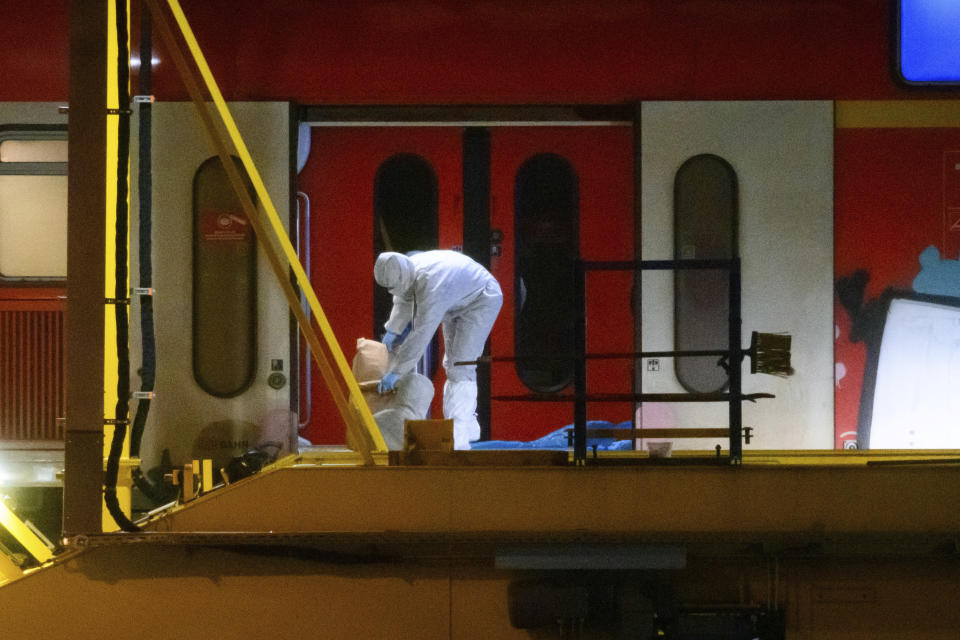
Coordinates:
x,y
23,534
902,497
363,434
8,570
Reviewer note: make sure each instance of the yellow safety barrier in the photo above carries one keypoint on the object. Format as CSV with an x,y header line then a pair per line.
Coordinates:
x,y
363,434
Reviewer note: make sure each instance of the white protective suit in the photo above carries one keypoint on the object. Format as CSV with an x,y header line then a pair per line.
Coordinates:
x,y
410,402
442,286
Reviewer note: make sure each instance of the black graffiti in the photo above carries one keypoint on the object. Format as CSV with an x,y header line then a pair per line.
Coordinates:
x,y
866,326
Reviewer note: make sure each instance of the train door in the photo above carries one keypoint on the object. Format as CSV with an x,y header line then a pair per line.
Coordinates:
x,y
222,325
372,189
554,193
558,193
753,179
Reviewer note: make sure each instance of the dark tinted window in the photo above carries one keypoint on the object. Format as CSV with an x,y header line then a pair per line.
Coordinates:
x,y
224,284
705,218
405,206
546,213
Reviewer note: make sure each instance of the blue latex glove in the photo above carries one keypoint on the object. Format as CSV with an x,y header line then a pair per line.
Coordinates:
x,y
391,339
388,339
388,382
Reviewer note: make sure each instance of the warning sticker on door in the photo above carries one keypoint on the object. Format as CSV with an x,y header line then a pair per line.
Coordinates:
x,y
224,226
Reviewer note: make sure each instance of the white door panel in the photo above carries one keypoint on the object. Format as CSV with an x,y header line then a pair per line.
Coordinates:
x,y
182,409
782,153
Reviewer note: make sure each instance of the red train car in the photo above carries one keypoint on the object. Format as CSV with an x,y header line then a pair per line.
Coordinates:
x,y
473,119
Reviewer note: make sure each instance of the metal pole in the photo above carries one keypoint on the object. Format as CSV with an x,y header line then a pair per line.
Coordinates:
x,y
580,365
476,238
736,358
637,293
86,241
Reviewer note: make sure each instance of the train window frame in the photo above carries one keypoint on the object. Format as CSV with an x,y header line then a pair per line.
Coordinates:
x,y
33,132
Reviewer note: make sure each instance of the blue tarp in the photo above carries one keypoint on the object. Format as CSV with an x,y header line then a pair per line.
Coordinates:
x,y
558,439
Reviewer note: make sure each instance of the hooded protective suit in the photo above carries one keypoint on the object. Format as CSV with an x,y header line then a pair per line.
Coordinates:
x,y
411,402
447,287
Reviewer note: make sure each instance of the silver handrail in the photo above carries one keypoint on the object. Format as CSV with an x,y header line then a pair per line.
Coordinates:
x,y
303,250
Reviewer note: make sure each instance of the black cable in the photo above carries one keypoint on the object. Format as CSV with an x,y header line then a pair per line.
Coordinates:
x,y
159,493
148,369
120,288
145,184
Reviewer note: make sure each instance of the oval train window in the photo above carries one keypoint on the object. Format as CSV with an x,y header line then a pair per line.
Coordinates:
x,y
546,215
405,210
224,284
705,227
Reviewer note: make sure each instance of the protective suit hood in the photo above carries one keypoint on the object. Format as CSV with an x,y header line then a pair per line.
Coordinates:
x,y
395,272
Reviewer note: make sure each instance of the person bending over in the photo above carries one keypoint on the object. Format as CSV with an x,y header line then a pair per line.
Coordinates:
x,y
430,288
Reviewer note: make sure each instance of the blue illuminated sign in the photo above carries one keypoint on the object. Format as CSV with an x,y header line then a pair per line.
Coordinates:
x,y
930,41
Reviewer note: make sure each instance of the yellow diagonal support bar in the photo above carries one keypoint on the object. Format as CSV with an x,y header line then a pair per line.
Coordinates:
x,y
8,570
22,533
360,424
360,438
